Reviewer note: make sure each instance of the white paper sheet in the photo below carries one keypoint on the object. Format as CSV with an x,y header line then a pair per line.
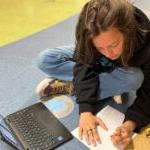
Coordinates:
x,y
112,118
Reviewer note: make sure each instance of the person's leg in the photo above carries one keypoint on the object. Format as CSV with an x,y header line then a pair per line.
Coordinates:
x,y
120,81
57,63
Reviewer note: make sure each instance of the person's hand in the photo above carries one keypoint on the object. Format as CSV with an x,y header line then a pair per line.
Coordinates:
x,y
123,135
88,128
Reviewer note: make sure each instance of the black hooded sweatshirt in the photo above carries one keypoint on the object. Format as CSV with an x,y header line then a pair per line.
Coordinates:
x,y
86,79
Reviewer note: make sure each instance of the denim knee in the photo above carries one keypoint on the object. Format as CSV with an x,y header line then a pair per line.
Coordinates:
x,y
135,78
46,60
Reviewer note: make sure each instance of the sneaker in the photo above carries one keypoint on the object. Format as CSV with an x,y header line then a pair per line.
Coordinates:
x,y
51,86
118,99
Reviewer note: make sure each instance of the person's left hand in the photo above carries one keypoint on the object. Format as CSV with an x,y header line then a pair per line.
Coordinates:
x,y
123,135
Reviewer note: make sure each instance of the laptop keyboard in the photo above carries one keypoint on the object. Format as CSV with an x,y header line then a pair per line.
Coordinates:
x,y
36,136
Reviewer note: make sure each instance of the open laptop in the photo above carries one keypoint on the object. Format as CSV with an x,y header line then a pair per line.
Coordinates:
x,y
36,128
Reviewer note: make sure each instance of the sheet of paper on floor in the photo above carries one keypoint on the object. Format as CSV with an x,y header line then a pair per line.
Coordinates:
x,y
112,118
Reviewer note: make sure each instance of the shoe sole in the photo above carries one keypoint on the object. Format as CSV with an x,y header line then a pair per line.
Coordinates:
x,y
42,86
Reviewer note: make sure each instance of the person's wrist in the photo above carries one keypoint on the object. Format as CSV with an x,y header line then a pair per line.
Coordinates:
x,y
85,113
130,125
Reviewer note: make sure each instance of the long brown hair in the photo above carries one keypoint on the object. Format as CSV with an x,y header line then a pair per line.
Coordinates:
x,y
96,17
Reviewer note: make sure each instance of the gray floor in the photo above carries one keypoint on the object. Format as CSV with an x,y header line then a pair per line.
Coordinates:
x,y
20,75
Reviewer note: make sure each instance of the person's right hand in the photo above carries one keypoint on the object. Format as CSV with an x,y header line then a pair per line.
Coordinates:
x,y
88,128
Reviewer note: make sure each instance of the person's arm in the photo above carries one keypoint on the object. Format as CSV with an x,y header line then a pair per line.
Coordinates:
x,y
139,112
138,115
86,87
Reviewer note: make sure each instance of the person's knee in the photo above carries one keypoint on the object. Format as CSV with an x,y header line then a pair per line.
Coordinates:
x,y
46,59
135,79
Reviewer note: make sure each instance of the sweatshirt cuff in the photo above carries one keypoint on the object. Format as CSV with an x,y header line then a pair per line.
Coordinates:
x,y
86,107
139,119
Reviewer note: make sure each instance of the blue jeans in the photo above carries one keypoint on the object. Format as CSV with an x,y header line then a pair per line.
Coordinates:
x,y
56,63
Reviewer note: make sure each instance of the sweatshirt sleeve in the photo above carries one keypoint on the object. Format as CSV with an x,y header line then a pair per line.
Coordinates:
x,y
86,85
139,112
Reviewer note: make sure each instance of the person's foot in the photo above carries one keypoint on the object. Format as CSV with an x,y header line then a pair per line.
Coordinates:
x,y
51,86
118,99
